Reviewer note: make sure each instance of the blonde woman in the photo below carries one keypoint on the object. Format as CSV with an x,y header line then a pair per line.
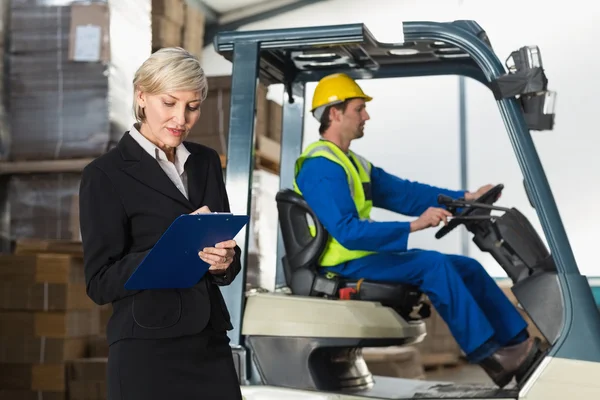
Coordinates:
x,y
164,344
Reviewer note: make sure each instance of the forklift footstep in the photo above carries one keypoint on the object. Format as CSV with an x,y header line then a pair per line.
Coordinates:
x,y
522,376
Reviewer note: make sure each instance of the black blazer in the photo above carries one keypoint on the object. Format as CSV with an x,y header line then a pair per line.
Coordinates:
x,y
126,203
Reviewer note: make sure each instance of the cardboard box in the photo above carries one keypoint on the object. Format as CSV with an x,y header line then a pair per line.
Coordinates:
x,y
56,325
74,119
37,246
98,347
87,390
8,394
269,149
22,350
87,369
275,121
90,33
43,377
3,21
193,31
87,378
44,296
172,10
42,206
39,28
41,268
165,33
212,129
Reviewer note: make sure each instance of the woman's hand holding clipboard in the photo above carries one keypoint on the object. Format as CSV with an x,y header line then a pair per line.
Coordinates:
x,y
219,257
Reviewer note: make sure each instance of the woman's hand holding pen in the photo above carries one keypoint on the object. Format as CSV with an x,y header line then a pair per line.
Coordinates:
x,y
219,257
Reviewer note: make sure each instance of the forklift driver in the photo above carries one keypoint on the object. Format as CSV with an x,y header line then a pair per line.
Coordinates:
x,y
341,187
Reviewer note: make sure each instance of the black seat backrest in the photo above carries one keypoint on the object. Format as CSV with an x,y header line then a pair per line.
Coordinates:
x,y
302,249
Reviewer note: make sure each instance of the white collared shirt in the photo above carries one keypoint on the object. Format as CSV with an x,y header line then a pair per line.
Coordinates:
x,y
174,170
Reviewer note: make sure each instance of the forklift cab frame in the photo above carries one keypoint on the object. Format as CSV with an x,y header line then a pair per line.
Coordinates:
x,y
295,56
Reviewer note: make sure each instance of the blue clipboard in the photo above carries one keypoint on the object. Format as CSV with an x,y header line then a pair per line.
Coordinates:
x,y
173,262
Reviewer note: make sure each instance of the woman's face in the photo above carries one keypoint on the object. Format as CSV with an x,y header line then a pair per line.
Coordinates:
x,y
169,116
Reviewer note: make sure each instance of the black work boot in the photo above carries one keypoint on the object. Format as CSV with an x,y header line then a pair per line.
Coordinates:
x,y
509,361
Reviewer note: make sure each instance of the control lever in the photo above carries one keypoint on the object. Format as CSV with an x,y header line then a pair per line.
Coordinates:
x,y
458,203
471,217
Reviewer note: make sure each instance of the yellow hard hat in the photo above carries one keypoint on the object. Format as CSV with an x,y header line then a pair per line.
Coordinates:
x,y
336,88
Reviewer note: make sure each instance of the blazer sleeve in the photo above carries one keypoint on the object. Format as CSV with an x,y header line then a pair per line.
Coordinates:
x,y
104,227
236,265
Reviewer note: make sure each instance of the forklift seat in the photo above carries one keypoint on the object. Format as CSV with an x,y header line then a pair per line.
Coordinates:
x,y
302,271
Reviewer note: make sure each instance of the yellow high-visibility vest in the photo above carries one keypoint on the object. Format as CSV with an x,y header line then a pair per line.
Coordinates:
x,y
359,182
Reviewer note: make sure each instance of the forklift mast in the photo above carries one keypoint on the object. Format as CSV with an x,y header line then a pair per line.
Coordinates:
x,y
295,56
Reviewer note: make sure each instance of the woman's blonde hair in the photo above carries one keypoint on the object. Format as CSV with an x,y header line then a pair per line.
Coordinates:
x,y
170,69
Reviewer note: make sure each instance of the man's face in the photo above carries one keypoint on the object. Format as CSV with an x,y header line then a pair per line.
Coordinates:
x,y
352,121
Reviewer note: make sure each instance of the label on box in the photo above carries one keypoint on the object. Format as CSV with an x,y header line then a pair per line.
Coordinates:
x,y
88,42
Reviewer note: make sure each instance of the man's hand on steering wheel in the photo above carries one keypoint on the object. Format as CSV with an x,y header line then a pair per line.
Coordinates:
x,y
430,218
480,192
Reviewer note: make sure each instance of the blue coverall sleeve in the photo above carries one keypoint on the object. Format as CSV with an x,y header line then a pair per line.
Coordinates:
x,y
404,196
324,186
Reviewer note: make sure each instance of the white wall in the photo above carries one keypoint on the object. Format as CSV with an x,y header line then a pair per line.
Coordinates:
x,y
417,118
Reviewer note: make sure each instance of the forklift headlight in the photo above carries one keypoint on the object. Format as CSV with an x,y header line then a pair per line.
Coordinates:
x,y
528,57
527,82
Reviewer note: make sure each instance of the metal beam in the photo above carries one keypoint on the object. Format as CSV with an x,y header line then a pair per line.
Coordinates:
x,y
464,176
233,20
240,163
291,148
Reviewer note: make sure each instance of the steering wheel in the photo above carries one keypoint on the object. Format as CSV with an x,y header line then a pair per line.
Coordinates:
x,y
489,198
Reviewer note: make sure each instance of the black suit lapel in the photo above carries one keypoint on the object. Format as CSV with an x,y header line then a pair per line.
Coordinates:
x,y
196,168
145,169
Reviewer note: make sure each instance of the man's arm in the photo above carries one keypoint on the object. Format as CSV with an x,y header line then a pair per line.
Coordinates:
x,y
324,186
404,196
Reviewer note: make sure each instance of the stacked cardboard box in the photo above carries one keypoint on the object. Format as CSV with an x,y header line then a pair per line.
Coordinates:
x,y
212,129
193,31
44,206
275,121
98,346
168,18
269,124
87,379
58,71
175,23
75,52
46,320
4,134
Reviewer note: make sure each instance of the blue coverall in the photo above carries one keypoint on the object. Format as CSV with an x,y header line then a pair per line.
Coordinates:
x,y
479,315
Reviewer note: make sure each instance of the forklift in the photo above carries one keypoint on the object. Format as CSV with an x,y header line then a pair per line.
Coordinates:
x,y
305,343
